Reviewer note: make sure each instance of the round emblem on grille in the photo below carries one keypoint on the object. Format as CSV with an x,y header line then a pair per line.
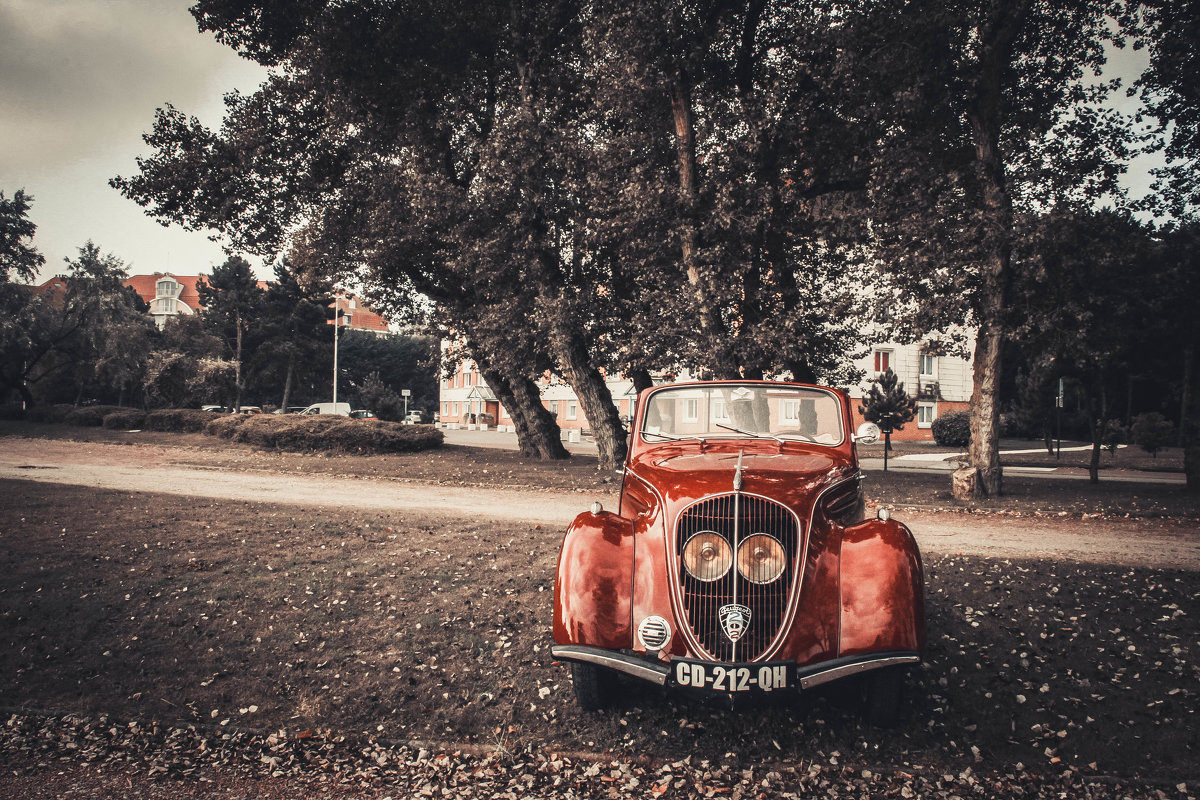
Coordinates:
x,y
654,632
734,620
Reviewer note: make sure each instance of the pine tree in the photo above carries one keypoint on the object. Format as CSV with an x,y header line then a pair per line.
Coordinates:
x,y
889,407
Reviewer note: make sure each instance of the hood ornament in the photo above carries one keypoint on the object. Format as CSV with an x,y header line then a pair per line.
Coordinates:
x,y
737,473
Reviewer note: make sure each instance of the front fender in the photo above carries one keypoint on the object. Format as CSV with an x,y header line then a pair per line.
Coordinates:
x,y
593,586
882,589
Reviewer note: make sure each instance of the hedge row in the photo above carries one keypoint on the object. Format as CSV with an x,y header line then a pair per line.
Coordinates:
x,y
324,432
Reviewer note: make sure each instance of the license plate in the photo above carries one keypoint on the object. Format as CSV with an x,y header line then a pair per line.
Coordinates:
x,y
765,677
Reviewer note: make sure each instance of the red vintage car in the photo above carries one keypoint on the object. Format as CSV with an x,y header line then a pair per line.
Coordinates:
x,y
739,563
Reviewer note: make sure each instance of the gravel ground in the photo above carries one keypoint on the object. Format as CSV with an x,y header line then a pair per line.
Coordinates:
x,y
1045,678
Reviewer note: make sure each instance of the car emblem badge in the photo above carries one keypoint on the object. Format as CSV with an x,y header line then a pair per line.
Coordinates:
x,y
734,620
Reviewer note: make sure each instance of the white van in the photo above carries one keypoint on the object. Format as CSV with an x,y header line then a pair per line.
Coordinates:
x,y
342,409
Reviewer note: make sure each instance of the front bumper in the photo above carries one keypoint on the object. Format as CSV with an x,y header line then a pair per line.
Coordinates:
x,y
679,672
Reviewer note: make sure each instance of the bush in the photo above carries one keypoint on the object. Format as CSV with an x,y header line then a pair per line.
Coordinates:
x,y
324,432
953,429
53,414
90,416
178,420
125,419
1152,432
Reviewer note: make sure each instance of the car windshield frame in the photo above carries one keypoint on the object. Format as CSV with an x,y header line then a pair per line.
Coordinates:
x,y
780,412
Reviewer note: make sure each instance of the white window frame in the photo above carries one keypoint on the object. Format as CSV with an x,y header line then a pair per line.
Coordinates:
x,y
691,409
789,411
720,412
929,412
875,358
572,411
921,358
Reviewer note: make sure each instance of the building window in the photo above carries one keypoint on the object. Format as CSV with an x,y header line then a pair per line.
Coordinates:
x,y
928,365
791,412
504,413
883,360
445,408
926,414
553,406
691,410
572,409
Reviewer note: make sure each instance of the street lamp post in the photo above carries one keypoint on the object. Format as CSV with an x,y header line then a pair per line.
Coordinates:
x,y
336,324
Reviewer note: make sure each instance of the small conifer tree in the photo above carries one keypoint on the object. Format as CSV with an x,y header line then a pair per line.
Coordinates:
x,y
889,407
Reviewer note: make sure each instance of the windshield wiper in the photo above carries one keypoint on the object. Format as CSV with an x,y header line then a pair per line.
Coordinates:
x,y
751,434
670,436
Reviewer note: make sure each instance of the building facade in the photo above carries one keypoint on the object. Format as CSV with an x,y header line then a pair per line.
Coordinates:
x,y
940,383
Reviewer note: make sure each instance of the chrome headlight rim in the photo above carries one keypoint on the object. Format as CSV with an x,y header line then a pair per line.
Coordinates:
x,y
748,563
710,548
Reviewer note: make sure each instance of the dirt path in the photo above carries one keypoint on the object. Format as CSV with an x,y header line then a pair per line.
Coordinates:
x,y
1136,542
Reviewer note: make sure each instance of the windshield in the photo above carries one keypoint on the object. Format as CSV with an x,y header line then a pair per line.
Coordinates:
x,y
755,410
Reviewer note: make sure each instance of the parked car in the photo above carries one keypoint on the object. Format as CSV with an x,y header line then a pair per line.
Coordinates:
x,y
328,408
249,410
362,413
739,563
415,417
290,410
214,409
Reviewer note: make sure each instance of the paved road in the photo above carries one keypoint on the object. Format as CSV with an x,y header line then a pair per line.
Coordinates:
x,y
921,462
127,468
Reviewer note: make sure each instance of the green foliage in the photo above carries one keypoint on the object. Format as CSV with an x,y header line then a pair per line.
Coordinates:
x,y
953,429
178,420
125,419
54,414
18,257
887,404
1152,432
377,397
324,432
398,361
89,416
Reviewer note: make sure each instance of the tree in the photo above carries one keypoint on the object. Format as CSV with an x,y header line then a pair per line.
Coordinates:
x,y
1087,285
888,406
233,305
295,329
984,110
1151,432
18,257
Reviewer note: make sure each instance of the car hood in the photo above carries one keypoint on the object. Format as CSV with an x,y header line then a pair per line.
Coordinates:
x,y
792,474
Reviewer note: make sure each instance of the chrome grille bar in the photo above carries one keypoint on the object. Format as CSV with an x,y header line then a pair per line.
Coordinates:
x,y
736,517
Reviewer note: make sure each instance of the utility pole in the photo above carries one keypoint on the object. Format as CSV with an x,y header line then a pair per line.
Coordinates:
x,y
337,322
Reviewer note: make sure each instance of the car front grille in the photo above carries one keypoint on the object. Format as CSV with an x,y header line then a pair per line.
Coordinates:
x,y
737,516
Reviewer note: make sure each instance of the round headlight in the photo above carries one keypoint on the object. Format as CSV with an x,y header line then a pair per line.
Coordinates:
x,y
707,556
761,558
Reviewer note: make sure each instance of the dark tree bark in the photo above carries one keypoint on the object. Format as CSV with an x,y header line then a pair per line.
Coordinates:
x,y
538,435
571,354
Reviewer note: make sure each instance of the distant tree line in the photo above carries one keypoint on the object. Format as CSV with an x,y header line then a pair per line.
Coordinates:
x,y
591,186
93,341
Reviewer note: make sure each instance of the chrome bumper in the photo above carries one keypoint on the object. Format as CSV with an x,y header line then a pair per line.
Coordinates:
x,y
807,677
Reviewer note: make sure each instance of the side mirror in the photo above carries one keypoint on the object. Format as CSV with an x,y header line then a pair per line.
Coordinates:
x,y
867,433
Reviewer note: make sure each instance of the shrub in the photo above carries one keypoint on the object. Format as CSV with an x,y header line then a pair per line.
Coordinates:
x,y
53,414
1152,431
178,420
125,419
90,416
953,429
325,432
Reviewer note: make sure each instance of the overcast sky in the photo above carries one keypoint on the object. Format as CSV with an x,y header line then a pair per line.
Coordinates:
x,y
79,83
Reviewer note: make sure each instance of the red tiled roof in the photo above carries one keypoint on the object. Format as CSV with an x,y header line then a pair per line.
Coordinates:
x,y
145,285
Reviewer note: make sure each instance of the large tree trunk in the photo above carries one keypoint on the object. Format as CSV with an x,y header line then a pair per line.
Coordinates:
x,y
287,381
984,451
984,119
711,328
593,394
538,435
